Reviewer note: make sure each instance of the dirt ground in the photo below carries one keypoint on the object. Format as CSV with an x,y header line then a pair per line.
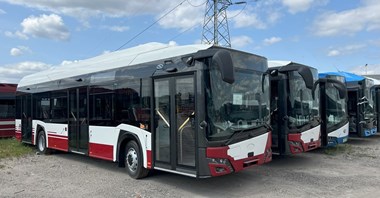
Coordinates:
x,y
351,171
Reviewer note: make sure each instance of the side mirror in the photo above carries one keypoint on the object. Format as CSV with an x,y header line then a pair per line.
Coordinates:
x,y
307,76
305,72
223,60
342,90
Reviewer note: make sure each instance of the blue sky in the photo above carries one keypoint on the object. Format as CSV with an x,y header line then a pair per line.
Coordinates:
x,y
38,34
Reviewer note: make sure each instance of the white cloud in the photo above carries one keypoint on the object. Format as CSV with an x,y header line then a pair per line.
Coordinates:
x,y
45,26
363,69
295,6
18,51
272,40
17,34
14,72
346,50
83,9
349,22
184,16
246,19
241,41
2,11
333,53
117,28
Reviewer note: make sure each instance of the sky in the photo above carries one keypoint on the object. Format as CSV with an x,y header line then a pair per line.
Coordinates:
x,y
329,35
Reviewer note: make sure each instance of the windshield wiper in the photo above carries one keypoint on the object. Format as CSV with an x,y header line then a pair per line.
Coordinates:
x,y
236,133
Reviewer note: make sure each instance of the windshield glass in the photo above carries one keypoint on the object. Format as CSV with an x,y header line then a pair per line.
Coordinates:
x,y
241,105
302,108
368,100
336,107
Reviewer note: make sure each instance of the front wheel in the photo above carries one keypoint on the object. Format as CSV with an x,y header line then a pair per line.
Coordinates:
x,y
41,143
134,161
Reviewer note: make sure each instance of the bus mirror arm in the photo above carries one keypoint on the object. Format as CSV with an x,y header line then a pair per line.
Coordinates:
x,y
222,58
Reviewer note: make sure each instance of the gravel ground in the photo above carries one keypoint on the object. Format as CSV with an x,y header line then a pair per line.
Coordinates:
x,y
352,172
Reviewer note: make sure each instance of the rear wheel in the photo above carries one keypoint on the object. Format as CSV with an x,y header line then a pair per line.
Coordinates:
x,y
134,161
41,143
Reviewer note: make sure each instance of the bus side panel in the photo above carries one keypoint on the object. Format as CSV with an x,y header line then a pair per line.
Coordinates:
x,y
7,127
102,142
18,129
145,140
56,135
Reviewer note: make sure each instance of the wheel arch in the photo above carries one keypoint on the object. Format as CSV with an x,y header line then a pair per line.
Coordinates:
x,y
123,139
40,128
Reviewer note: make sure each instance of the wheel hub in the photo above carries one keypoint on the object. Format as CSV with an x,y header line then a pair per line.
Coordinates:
x,y
41,142
131,159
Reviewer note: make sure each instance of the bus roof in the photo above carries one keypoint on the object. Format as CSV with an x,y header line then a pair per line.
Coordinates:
x,y
132,56
350,77
281,63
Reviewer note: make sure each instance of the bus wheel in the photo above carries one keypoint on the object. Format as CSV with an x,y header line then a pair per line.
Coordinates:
x,y
41,143
134,161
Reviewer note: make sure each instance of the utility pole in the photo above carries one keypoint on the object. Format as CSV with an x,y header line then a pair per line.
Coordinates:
x,y
215,25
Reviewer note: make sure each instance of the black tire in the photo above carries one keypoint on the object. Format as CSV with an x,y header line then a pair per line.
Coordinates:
x,y
134,161
41,143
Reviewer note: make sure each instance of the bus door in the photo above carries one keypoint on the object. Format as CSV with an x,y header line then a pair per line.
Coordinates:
x,y
175,131
353,111
26,118
78,120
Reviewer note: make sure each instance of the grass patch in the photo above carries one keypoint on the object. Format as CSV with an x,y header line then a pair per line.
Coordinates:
x,y
339,149
10,147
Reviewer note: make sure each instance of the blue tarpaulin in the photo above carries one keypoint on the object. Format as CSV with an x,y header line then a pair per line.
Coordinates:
x,y
350,77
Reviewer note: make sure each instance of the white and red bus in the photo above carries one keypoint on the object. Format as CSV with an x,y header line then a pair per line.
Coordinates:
x,y
294,107
195,110
7,109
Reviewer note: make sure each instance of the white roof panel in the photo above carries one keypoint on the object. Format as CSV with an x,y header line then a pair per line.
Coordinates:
x,y
131,56
277,63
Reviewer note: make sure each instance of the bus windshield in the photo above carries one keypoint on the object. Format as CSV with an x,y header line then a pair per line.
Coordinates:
x,y
368,100
336,107
242,105
302,108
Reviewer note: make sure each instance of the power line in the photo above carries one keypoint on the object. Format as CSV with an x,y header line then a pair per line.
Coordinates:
x,y
150,25
196,5
245,5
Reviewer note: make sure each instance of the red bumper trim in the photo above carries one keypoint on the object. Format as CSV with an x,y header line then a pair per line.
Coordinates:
x,y
297,145
237,165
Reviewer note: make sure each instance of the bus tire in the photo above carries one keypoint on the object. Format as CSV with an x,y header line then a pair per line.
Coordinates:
x,y
134,161
41,143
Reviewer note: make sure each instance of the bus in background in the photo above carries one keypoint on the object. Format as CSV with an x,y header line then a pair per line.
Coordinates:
x,y
294,107
7,109
195,110
375,91
361,112
333,107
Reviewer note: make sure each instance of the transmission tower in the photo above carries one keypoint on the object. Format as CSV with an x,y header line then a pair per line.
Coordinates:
x,y
215,25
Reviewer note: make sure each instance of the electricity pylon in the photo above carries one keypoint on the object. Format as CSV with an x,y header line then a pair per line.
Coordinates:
x,y
215,25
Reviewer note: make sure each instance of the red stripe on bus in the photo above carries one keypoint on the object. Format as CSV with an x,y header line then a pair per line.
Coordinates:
x,y
7,133
58,143
8,126
101,151
149,158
